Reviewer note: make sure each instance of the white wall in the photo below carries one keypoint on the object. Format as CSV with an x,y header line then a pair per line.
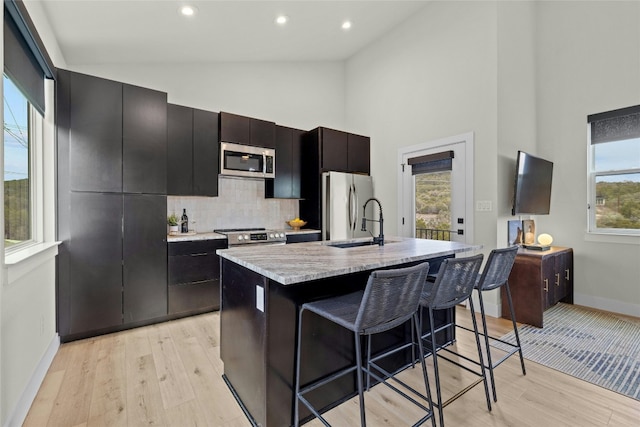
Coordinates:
x,y
433,77
588,56
303,95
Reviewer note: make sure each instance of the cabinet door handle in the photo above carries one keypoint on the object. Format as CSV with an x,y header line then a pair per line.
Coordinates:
x,y
557,279
567,274
546,285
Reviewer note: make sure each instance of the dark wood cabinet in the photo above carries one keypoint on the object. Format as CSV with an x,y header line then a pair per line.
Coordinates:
x,y
539,280
206,153
263,133
144,140
144,260
339,151
247,130
235,128
180,150
193,154
95,131
286,184
358,153
194,276
333,145
94,283
111,205
303,237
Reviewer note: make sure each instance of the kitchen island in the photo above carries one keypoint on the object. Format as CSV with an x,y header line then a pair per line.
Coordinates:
x,y
262,290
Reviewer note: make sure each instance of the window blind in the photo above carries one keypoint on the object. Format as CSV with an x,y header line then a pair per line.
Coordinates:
x,y
26,60
437,162
615,125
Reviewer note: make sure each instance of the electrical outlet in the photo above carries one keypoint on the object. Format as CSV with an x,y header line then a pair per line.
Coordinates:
x,y
484,206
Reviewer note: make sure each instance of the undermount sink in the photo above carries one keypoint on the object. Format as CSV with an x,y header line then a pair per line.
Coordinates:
x,y
355,244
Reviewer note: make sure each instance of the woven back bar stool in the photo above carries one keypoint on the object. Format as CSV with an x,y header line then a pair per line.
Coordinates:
x,y
494,276
391,298
453,285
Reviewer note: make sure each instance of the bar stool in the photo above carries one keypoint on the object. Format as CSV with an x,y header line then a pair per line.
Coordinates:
x,y
495,275
391,298
452,286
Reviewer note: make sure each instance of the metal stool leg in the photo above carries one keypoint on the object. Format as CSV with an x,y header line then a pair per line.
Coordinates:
x,y
416,326
486,343
484,375
435,368
515,328
359,378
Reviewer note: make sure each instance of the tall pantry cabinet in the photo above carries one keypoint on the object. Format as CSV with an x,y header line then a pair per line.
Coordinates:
x,y
112,173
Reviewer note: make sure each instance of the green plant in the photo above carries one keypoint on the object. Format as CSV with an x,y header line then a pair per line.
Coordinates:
x,y
173,220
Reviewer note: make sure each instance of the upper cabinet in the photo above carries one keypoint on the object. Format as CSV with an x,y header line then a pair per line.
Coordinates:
x,y
206,153
116,135
93,113
338,151
286,184
193,153
247,130
144,140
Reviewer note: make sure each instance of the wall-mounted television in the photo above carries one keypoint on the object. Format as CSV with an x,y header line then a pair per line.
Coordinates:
x,y
532,190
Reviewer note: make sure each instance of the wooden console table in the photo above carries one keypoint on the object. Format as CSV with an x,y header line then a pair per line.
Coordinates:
x,y
538,280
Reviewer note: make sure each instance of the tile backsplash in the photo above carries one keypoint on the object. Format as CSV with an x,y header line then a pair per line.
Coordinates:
x,y
240,203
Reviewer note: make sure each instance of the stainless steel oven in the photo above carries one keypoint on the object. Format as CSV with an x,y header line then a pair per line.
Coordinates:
x,y
245,160
252,236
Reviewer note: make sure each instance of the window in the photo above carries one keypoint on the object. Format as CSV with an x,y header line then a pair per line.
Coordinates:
x,y
19,157
614,172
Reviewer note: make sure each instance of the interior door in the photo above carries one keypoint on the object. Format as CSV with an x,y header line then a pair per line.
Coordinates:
x,y
453,199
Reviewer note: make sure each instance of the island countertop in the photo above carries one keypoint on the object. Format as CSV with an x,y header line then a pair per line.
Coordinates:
x,y
303,262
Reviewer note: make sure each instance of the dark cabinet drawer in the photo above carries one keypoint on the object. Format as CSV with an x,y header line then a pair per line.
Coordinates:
x,y
196,247
193,268
194,297
301,238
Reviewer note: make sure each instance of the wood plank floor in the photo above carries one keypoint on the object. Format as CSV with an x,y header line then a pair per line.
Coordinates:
x,y
170,375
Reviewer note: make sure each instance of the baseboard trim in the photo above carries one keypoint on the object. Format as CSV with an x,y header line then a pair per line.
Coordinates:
x,y
20,411
607,304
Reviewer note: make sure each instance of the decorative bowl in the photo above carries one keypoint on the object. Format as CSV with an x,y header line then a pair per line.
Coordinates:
x,y
296,224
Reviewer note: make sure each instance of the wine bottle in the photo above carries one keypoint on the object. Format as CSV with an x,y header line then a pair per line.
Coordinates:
x,y
184,222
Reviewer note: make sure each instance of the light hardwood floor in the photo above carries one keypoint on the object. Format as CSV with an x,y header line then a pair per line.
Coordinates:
x,y
170,375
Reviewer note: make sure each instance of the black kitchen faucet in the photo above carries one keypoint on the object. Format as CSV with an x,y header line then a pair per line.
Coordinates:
x,y
380,239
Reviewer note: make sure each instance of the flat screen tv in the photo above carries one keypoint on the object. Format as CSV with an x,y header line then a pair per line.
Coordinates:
x,y
532,190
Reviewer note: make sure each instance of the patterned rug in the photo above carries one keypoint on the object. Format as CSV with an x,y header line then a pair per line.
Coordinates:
x,y
593,346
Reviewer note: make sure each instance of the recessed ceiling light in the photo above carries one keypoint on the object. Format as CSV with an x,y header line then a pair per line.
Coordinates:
x,y
346,25
282,19
188,10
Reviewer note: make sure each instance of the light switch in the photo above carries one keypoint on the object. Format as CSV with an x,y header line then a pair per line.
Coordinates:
x,y
484,206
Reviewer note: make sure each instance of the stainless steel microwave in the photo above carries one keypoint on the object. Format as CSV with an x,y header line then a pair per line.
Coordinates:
x,y
245,160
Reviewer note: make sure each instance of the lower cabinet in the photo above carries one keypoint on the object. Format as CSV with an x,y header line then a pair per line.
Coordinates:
x,y
194,276
303,237
112,268
539,280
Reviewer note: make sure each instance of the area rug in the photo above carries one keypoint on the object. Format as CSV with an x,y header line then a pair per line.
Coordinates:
x,y
593,346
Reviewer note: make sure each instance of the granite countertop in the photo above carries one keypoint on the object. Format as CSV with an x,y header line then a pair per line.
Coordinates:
x,y
186,237
303,262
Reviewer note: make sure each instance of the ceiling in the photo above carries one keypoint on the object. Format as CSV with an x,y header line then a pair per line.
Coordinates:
x,y
153,31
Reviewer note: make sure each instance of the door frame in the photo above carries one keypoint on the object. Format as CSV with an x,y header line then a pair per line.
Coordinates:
x,y
403,193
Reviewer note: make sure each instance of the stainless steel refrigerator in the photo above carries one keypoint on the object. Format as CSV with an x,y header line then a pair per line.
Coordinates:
x,y
343,195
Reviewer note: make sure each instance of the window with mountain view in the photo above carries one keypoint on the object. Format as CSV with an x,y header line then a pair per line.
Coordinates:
x,y
614,176
17,166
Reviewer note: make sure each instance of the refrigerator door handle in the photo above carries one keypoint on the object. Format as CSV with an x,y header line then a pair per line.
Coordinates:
x,y
350,205
354,212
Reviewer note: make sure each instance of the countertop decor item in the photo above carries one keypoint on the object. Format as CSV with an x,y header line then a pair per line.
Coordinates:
x,y
297,223
174,224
